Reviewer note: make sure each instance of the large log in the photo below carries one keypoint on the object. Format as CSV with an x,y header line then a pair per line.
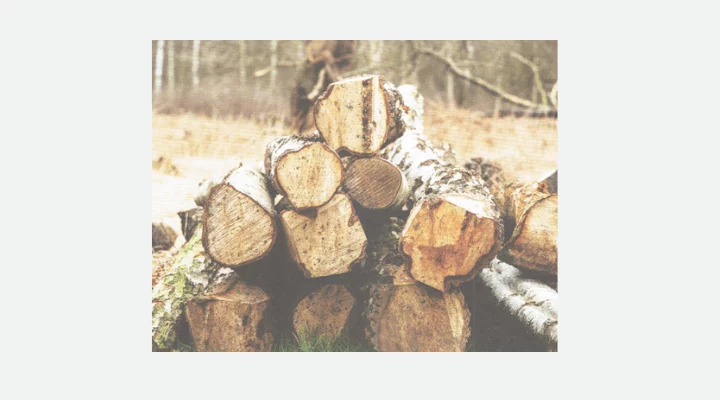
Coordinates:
x,y
327,311
237,320
375,183
532,302
531,211
304,170
192,275
239,218
325,241
454,228
360,114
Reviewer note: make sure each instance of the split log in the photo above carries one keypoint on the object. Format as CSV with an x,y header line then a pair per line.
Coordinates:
x,y
376,184
236,320
454,228
190,220
163,236
415,317
238,221
531,210
192,276
327,311
531,301
327,240
360,114
304,170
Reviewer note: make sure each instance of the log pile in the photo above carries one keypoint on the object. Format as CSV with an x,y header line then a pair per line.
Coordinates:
x,y
364,228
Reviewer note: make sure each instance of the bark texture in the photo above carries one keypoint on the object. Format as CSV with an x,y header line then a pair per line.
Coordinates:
x,y
532,302
360,114
454,228
327,311
192,276
376,184
531,210
238,221
327,240
304,170
236,320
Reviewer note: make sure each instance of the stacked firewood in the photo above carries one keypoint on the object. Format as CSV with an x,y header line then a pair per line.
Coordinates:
x,y
364,227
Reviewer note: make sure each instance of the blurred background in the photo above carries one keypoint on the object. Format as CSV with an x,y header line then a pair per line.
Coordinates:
x,y
216,103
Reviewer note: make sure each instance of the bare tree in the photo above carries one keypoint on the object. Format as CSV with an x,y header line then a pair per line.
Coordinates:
x,y
171,65
159,54
450,84
243,62
273,63
196,63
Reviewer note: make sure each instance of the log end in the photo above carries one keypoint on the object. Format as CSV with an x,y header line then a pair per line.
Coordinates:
x,y
310,176
449,238
533,244
325,312
238,230
375,183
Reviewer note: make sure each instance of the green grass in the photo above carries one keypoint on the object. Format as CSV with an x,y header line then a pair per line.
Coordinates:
x,y
313,342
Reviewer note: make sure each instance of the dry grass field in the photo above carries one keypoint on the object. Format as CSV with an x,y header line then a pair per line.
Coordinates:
x,y
193,148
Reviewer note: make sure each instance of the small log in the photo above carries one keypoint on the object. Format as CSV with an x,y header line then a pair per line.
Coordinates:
x,y
531,210
238,221
360,114
304,170
163,236
327,240
327,311
376,184
236,320
190,220
192,275
454,228
532,302
414,317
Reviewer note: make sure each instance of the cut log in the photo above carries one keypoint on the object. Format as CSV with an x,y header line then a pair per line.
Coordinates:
x,y
531,301
238,221
360,114
417,318
327,311
454,228
531,210
236,320
325,241
190,220
304,170
192,275
163,236
376,184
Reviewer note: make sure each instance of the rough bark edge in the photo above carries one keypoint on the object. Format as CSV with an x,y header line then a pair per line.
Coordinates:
x,y
531,301
378,299
465,329
272,212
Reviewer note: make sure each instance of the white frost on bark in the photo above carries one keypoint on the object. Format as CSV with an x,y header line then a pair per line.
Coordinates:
x,y
159,55
531,301
196,63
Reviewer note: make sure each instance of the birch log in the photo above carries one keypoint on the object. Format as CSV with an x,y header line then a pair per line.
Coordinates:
x,y
327,311
375,183
454,228
238,221
532,302
327,240
238,319
304,170
359,114
531,210
192,275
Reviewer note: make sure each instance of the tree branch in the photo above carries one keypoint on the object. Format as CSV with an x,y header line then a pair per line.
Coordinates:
x,y
536,75
481,82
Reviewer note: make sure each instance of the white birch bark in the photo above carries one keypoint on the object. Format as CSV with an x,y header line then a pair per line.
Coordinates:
x,y
532,302
171,65
196,63
159,55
